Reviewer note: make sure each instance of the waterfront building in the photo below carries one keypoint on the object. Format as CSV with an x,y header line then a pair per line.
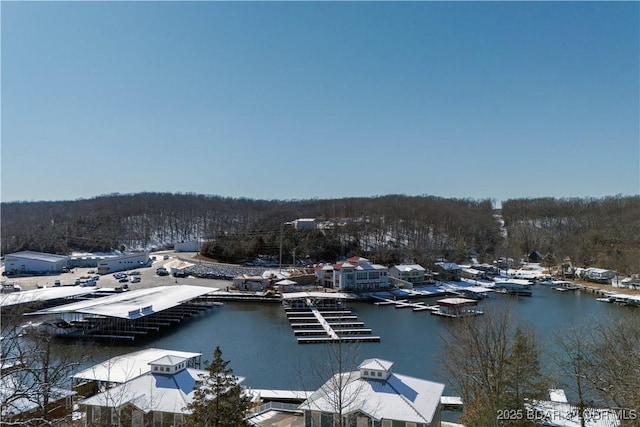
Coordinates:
x,y
159,397
357,274
409,275
375,396
30,262
449,271
121,369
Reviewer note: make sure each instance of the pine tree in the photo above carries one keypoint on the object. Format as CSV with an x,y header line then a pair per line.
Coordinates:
x,y
219,401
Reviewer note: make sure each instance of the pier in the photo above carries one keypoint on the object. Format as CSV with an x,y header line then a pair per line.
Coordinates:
x,y
320,317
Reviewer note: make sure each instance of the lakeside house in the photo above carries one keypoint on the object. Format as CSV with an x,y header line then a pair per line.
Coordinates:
x,y
374,395
410,275
448,271
158,397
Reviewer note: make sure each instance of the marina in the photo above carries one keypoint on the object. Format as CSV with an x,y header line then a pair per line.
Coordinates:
x,y
321,317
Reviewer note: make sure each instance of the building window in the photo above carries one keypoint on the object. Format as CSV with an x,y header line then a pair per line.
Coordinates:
x,y
115,417
178,420
137,419
386,423
157,419
95,413
380,374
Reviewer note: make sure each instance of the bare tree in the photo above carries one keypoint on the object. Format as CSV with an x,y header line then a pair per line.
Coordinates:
x,y
601,361
494,364
337,371
35,374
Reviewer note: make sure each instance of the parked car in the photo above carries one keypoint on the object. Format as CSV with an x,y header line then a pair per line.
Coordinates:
x,y
134,279
162,271
134,273
124,280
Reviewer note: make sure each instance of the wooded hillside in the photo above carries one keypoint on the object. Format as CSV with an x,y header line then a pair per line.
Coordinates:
x,y
387,229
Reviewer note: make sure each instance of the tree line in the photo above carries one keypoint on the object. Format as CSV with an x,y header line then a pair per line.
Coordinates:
x,y
389,229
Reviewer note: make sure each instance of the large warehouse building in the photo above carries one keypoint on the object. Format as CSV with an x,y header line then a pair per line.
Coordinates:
x,y
29,262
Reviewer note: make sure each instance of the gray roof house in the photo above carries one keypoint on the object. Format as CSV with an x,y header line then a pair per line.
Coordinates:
x,y
157,398
375,396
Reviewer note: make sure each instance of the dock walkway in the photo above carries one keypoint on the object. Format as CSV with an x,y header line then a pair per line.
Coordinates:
x,y
319,322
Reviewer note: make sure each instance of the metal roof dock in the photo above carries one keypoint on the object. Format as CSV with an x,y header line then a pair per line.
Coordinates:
x,y
132,313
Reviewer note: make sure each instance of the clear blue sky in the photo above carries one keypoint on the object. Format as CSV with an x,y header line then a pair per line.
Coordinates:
x,y
298,100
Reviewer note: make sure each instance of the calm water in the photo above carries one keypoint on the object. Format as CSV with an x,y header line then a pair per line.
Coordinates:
x,y
257,338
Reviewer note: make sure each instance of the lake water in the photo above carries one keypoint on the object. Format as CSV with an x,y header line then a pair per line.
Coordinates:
x,y
259,343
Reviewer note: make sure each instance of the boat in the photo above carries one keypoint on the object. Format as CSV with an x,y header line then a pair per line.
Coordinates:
x,y
516,292
54,328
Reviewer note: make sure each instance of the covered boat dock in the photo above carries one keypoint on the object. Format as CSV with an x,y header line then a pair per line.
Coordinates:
x,y
131,314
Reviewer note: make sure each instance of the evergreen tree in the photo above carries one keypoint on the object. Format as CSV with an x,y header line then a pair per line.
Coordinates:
x,y
219,401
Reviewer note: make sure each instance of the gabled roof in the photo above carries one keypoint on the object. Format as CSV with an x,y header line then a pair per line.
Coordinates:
x,y
448,266
399,397
152,392
169,360
409,267
120,369
376,364
39,256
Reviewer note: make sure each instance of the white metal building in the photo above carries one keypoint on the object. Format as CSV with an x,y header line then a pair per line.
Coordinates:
x,y
124,262
190,246
26,262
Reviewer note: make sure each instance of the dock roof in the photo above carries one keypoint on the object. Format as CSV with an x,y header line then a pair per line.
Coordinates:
x,y
302,295
44,294
133,304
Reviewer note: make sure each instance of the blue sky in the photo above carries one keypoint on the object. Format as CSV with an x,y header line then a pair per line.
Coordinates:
x,y
301,100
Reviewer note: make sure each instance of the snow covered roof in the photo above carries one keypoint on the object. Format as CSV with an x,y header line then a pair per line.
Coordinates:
x,y
120,369
399,397
327,295
133,304
15,403
44,294
39,256
381,364
152,392
409,267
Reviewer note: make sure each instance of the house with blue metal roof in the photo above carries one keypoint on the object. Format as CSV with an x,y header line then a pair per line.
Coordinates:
x,y
375,396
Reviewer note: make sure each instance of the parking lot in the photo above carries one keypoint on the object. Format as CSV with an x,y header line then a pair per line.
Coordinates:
x,y
135,279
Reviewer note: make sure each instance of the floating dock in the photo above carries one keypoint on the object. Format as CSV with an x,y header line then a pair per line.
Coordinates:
x,y
320,317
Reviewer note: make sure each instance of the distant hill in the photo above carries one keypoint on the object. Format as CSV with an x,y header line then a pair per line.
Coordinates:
x,y
391,228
